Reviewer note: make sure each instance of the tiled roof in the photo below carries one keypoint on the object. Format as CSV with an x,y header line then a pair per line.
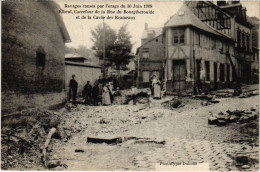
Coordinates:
x,y
185,17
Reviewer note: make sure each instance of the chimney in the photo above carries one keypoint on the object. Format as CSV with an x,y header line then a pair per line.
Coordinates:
x,y
235,2
145,26
221,3
243,13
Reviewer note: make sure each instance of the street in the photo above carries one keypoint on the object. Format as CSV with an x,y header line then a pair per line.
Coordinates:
x,y
161,136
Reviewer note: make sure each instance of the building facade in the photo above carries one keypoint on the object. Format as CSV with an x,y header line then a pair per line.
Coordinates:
x,y
33,48
205,44
150,56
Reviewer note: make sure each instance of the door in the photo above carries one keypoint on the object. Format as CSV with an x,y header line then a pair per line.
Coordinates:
x,y
179,73
228,73
215,75
198,68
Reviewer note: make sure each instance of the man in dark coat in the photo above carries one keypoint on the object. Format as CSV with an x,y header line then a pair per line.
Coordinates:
x,y
95,93
88,93
73,89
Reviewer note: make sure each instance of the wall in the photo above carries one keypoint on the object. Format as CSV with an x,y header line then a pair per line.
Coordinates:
x,y
83,74
156,49
154,62
26,26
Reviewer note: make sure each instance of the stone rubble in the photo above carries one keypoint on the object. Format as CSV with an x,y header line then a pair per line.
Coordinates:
x,y
222,119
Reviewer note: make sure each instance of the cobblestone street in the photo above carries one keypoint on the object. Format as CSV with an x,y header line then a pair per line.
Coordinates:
x,y
189,139
219,156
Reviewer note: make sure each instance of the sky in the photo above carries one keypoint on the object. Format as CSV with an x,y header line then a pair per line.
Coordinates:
x,y
80,29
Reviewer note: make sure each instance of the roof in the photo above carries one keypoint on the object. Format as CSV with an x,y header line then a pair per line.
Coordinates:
x,y
185,17
230,5
155,31
73,55
81,64
54,7
146,43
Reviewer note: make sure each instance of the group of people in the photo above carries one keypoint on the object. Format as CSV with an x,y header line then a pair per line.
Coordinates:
x,y
100,92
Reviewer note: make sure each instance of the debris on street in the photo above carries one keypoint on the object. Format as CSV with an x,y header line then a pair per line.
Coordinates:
x,y
24,138
239,116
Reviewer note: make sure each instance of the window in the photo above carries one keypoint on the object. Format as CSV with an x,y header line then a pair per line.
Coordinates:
x,y
40,57
181,37
197,39
146,76
207,68
145,52
222,72
227,47
238,38
243,39
178,36
248,46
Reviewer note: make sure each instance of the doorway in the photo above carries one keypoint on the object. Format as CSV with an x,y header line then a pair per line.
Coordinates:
x,y
179,73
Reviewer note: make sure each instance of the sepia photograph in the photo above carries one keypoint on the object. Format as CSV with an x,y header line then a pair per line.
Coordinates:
x,y
130,85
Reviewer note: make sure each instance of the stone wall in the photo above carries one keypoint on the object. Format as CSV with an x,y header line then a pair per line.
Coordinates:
x,y
26,28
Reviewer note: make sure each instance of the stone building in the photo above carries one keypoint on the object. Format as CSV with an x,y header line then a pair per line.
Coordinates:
x,y
33,44
150,56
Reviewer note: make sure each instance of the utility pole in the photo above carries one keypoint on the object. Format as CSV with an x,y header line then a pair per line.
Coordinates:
x,y
137,71
194,65
104,50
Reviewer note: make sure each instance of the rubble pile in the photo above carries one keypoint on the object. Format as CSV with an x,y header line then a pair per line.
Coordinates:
x,y
105,119
224,93
174,103
249,94
238,116
126,97
206,99
23,135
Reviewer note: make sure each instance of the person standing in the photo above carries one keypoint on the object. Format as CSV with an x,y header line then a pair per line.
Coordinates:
x,y
95,92
157,90
154,81
88,91
73,87
105,96
109,87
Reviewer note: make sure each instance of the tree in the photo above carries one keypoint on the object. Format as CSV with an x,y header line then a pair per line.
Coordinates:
x,y
97,38
121,51
117,45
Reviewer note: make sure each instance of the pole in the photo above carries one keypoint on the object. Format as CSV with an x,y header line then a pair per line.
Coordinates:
x,y
194,65
137,82
166,61
104,50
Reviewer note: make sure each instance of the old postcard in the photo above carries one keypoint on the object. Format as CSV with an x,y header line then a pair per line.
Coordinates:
x,y
130,85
